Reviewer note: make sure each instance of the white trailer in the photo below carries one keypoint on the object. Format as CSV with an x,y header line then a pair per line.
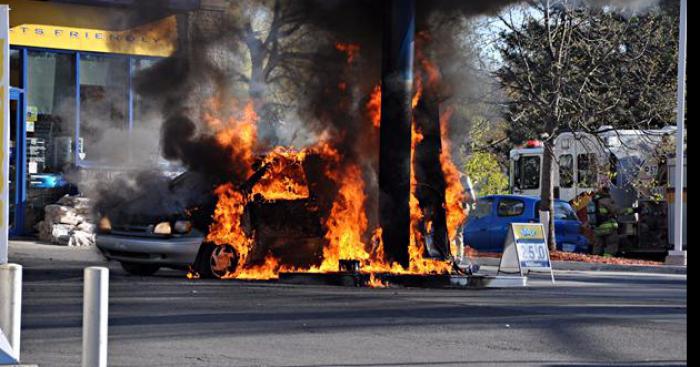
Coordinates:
x,y
631,162
623,159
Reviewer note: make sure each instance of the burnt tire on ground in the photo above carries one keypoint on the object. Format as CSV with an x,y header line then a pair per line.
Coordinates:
x,y
139,269
216,261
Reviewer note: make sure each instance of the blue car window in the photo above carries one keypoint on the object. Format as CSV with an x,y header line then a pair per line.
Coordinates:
x,y
483,208
564,211
510,207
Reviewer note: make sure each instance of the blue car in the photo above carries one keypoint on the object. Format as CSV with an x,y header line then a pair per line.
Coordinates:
x,y
488,223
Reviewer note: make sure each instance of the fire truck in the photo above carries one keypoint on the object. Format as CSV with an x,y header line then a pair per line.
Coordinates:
x,y
633,163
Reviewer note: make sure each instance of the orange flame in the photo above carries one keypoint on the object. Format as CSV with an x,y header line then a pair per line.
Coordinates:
x,y
347,224
418,94
351,50
238,132
419,264
455,196
428,67
285,178
266,271
227,227
374,106
375,282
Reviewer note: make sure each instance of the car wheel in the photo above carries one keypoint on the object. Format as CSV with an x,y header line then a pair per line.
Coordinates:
x,y
217,261
139,269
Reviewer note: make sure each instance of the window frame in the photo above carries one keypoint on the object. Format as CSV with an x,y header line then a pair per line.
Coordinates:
x,y
572,171
591,172
521,171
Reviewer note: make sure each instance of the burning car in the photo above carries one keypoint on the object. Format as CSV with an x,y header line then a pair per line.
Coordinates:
x,y
281,212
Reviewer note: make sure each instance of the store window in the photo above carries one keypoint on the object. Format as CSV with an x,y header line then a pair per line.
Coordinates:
x,y
566,171
50,115
104,108
146,110
147,118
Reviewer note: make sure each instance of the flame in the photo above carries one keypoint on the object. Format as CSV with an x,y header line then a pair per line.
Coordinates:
x,y
375,282
455,196
351,50
227,225
284,178
266,271
239,132
347,222
374,106
419,264
418,94
347,225
429,68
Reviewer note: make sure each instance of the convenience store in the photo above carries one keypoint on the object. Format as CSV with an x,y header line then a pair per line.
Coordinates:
x,y
72,69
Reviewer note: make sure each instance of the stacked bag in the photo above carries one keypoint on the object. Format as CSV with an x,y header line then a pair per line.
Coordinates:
x,y
69,222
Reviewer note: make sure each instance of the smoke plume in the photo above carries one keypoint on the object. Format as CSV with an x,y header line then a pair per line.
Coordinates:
x,y
306,89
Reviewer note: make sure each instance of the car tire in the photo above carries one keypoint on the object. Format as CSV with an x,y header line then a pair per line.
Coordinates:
x,y
139,269
216,261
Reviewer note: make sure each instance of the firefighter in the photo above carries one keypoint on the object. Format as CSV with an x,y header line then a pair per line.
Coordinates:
x,y
607,239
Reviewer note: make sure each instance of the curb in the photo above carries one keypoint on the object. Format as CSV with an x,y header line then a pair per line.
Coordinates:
x,y
579,266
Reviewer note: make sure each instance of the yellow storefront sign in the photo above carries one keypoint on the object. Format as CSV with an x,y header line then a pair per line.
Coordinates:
x,y
87,30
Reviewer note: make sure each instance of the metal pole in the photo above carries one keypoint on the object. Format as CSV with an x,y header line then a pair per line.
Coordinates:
x,y
4,131
11,304
95,310
395,131
680,139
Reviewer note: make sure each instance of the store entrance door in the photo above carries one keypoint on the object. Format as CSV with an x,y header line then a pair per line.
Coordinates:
x,y
18,178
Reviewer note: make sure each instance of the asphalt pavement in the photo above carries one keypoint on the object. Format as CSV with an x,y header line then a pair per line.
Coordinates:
x,y
585,319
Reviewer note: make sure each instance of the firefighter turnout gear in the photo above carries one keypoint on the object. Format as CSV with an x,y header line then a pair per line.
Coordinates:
x,y
606,228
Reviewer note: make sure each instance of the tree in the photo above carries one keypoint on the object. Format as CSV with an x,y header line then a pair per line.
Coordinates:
x,y
279,45
486,174
570,68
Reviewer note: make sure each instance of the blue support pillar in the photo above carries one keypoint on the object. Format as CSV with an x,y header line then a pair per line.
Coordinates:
x,y
395,131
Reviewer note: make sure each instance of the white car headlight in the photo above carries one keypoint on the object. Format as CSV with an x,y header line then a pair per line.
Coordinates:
x,y
163,228
182,226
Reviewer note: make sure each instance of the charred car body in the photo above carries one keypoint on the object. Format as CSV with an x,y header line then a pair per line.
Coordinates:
x,y
288,225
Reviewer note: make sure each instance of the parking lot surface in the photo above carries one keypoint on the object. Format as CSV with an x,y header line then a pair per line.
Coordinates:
x,y
587,318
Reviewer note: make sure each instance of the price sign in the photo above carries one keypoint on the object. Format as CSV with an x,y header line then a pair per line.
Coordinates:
x,y
525,250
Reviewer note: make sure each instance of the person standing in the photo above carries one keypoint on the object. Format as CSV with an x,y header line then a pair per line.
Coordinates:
x,y
606,228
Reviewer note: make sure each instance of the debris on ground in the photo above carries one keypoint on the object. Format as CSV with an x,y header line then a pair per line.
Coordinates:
x,y
586,258
573,257
69,222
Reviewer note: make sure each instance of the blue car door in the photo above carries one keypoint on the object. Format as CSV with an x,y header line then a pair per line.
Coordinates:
x,y
508,210
476,232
